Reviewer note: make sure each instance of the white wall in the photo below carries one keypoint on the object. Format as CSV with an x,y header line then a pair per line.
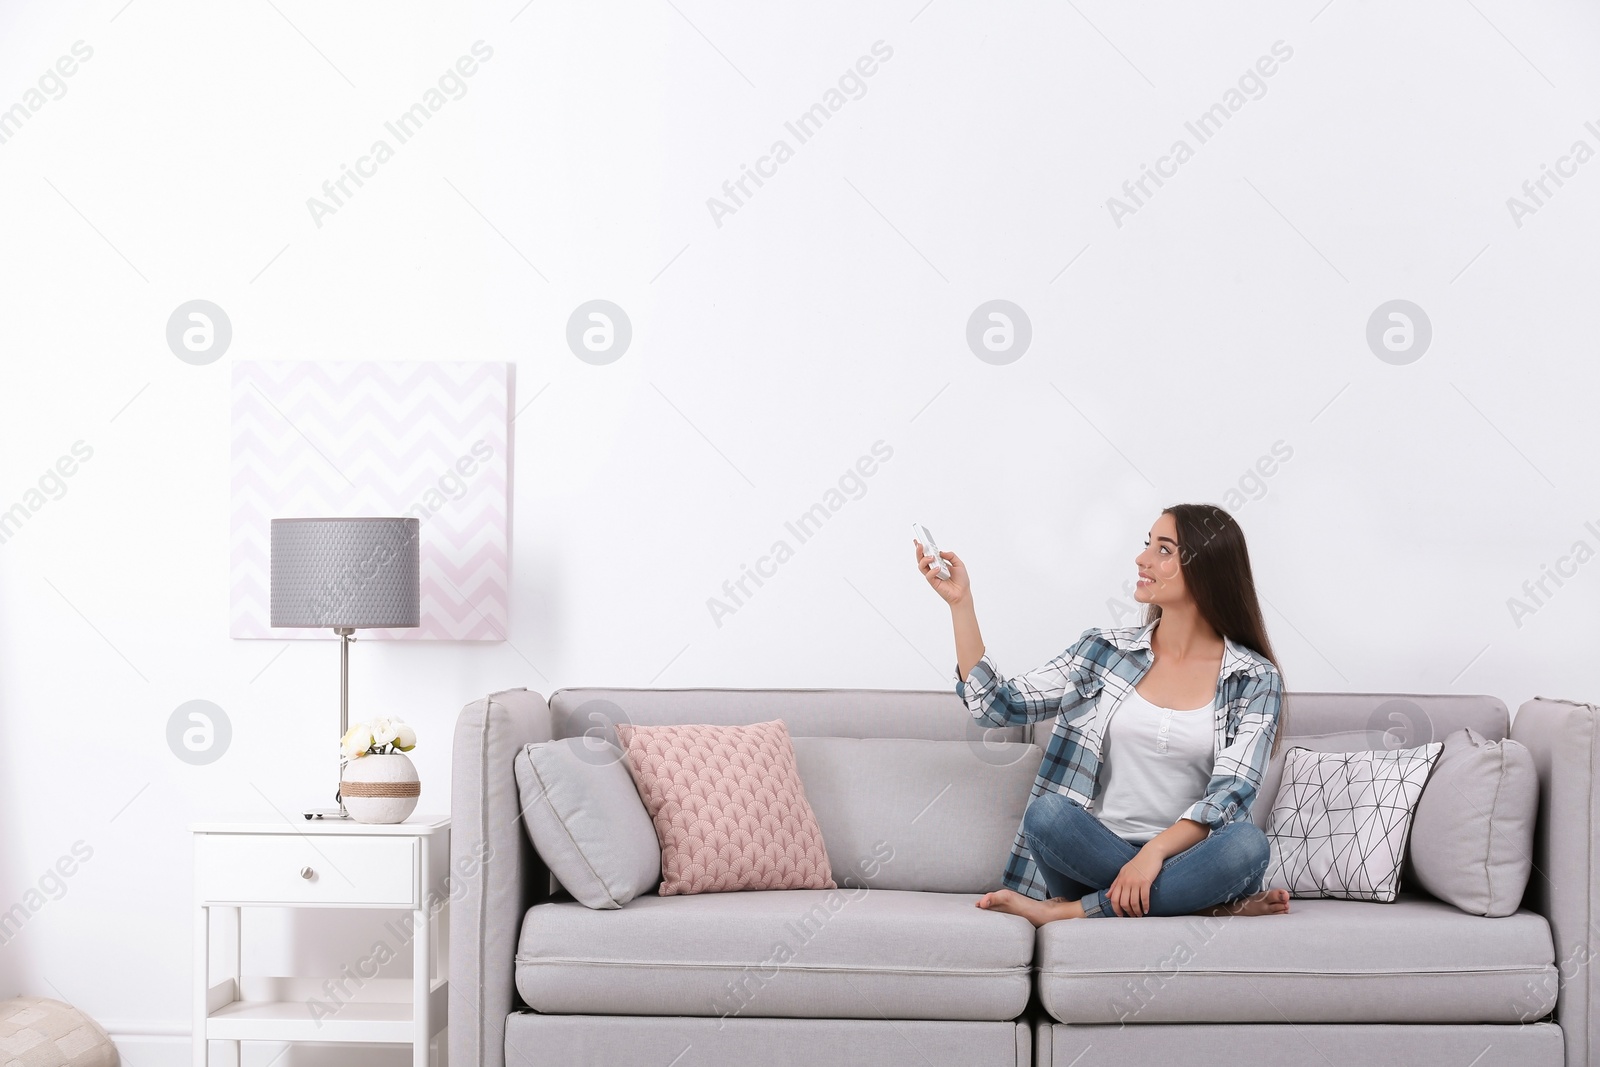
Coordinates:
x,y
1225,315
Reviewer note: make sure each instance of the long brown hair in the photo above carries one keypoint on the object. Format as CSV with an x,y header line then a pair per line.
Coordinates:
x,y
1216,570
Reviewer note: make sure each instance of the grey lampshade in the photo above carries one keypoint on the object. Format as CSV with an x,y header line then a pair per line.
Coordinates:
x,y
346,572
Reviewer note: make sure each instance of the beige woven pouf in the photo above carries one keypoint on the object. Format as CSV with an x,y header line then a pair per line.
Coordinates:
x,y
40,1032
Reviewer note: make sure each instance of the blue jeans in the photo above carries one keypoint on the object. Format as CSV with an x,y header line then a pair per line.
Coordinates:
x,y
1079,857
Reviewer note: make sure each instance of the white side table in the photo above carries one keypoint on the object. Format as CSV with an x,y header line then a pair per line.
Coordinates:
x,y
324,863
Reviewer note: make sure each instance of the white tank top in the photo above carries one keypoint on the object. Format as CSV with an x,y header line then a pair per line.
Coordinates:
x,y
1154,764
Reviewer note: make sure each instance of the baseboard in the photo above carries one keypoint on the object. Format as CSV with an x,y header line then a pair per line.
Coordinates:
x,y
152,1050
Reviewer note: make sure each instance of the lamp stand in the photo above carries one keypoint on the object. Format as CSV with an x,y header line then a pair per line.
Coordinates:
x,y
346,635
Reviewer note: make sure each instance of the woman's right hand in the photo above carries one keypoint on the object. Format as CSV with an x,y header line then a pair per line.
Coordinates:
x,y
953,589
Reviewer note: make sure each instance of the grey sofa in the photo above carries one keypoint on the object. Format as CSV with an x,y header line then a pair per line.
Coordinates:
x,y
918,806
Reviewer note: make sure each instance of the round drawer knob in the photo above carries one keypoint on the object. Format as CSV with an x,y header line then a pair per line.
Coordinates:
x,y
307,873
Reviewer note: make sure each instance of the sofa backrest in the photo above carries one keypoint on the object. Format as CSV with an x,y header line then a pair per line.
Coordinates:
x,y
1374,720
911,793
935,715
1355,722
909,813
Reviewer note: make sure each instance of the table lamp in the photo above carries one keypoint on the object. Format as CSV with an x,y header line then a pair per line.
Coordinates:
x,y
345,575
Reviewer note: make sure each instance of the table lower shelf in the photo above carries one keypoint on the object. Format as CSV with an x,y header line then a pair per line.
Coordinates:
x,y
317,1019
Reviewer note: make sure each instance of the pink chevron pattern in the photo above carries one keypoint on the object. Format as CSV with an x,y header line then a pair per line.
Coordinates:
x,y
349,439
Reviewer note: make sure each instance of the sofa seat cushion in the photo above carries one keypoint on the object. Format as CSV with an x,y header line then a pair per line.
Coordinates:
x,y
824,953
1414,960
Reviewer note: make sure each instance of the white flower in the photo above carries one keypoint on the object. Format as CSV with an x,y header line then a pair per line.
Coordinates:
x,y
383,731
405,738
355,743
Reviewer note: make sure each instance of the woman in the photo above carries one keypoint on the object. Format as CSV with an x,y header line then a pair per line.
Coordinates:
x,y
1142,807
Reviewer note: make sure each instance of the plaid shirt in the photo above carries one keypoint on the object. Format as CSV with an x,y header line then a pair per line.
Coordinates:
x,y
1249,697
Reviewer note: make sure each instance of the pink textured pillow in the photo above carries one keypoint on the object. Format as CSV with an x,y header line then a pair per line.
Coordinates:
x,y
728,806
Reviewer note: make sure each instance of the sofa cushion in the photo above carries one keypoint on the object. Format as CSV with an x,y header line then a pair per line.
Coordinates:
x,y
1272,777
1416,960
912,813
1341,820
1472,837
729,807
840,953
585,818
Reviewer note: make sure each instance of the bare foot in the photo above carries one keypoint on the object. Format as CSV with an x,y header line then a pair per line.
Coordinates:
x,y
1271,902
1038,912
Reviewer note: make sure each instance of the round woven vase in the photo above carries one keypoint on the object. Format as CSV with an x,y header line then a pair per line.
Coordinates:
x,y
380,789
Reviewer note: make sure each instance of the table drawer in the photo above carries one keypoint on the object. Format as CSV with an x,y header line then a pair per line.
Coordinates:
x,y
293,869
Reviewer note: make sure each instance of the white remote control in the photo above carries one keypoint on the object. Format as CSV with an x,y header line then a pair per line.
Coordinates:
x,y
930,548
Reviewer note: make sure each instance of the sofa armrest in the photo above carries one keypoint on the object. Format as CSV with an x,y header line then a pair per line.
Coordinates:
x,y
1564,738
506,876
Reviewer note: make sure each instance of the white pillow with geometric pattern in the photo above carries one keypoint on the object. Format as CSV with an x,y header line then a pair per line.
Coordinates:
x,y
1339,822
